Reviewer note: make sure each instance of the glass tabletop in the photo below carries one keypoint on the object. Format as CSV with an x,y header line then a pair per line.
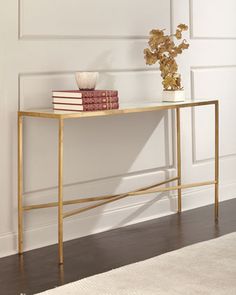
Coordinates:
x,y
126,107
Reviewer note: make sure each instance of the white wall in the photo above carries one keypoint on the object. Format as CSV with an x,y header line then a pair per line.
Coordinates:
x,y
43,43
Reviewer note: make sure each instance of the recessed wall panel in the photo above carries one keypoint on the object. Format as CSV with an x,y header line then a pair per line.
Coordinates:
x,y
36,88
218,83
84,18
213,18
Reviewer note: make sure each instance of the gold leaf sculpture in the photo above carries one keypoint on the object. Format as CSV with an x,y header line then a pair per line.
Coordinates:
x,y
163,49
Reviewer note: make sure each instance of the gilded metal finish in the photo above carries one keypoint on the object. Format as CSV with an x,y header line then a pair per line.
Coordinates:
x,y
154,188
60,190
178,135
118,197
20,184
138,192
163,49
216,160
91,199
172,188
125,108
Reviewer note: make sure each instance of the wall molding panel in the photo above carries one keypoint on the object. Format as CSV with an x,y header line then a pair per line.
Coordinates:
x,y
31,84
211,69
86,25
159,171
201,11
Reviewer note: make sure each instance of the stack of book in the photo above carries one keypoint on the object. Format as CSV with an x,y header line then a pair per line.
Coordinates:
x,y
85,100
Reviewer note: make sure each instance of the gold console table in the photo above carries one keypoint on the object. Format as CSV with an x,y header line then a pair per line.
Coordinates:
x,y
124,109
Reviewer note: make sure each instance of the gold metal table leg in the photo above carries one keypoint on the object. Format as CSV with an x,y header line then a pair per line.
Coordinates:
x,y
179,159
60,190
216,160
20,184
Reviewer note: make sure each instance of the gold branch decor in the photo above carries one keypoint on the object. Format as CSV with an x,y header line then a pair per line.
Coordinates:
x,y
162,49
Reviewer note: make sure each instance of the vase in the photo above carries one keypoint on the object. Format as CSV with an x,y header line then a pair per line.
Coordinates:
x,y
86,80
173,95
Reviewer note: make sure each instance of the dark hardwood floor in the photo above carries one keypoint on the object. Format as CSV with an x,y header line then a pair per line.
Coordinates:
x,y
37,270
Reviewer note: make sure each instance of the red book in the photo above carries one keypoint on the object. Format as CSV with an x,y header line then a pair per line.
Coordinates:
x,y
84,93
86,107
86,100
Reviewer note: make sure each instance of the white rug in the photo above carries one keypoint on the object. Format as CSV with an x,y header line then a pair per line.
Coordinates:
x,y
207,268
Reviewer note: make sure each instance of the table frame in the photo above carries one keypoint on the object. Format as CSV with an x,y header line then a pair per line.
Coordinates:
x,y
154,188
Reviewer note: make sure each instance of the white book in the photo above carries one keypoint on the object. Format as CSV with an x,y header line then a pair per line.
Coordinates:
x,y
67,100
88,100
85,107
67,94
70,107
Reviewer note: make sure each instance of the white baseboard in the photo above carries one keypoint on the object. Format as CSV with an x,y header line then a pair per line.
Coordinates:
x,y
76,227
